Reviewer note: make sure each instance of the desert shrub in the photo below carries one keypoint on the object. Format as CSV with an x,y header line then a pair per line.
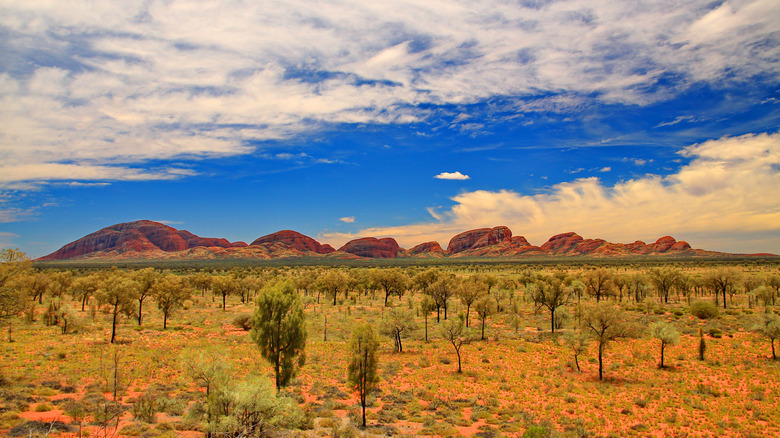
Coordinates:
x,y
704,309
43,407
146,406
133,429
243,321
39,428
715,333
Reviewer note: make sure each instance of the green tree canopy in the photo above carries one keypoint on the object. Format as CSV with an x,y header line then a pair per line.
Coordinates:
x,y
279,329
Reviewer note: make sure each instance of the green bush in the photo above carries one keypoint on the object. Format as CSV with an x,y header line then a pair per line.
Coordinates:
x,y
243,321
703,310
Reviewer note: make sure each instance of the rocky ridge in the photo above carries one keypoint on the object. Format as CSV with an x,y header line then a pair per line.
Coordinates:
x,y
152,240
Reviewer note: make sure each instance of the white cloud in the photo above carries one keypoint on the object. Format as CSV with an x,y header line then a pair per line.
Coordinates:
x,y
605,169
452,175
347,219
134,81
727,189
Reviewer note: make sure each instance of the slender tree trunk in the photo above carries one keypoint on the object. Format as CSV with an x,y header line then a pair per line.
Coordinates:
x,y
663,344
113,323
483,329
601,363
426,327
457,351
165,320
140,308
577,362
552,319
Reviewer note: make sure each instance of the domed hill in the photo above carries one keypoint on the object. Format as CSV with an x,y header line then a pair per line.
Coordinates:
x,y
139,236
479,238
427,249
372,247
294,240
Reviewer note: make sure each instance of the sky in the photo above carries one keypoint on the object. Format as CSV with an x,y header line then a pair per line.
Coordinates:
x,y
621,120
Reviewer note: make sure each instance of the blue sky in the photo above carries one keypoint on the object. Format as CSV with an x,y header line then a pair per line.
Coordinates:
x,y
417,120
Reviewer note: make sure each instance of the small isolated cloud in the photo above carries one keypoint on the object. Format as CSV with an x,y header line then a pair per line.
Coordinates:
x,y
347,219
605,169
452,175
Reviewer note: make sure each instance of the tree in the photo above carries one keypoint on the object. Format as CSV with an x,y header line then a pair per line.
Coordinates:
x,y
551,293
765,295
224,285
85,287
605,323
362,373
485,306
392,281
598,283
469,291
664,279
208,367
119,292
426,307
397,325
279,329
667,334
769,326
332,283
170,292
441,292
578,343
722,281
14,264
455,332
146,279
425,279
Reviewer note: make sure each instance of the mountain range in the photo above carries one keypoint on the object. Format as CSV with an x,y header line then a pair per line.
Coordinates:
x,y
151,240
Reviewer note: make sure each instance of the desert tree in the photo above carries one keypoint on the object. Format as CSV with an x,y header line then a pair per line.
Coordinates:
x,y
722,281
667,334
397,325
119,292
764,295
279,329
85,287
170,292
622,283
333,282
598,283
362,374
773,281
202,281
551,293
485,306
146,279
441,291
605,323
458,335
224,285
37,285
305,279
769,326
469,290
577,342
392,281
14,264
426,307
425,279
210,371
664,279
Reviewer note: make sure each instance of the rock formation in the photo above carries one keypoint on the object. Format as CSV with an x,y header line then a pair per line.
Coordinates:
x,y
386,248
294,240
